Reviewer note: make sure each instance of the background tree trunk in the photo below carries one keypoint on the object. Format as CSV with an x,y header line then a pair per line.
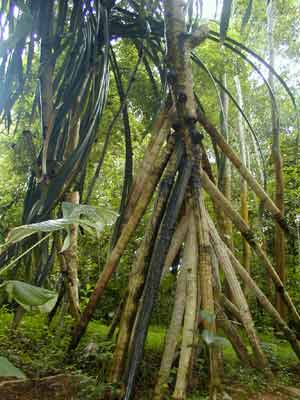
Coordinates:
x,y
279,244
244,187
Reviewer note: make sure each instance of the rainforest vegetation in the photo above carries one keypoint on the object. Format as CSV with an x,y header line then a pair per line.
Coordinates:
x,y
149,199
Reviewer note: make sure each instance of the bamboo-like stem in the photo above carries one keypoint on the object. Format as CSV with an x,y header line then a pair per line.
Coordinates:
x,y
224,169
71,283
244,187
116,319
222,320
279,242
127,231
177,240
230,307
237,293
240,224
246,174
265,303
190,261
152,283
140,268
71,260
72,196
233,336
172,337
159,133
206,290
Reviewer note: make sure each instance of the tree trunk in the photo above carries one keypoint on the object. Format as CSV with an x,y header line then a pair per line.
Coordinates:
x,y
177,240
190,260
152,283
244,188
246,174
279,245
224,180
207,298
72,266
140,268
172,338
233,336
263,300
238,295
128,229
72,196
222,202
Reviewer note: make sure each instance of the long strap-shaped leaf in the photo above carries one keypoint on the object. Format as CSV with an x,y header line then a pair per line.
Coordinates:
x,y
198,61
214,35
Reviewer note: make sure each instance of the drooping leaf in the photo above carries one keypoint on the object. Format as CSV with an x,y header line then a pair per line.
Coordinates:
x,y
271,69
7,369
225,18
23,28
67,242
88,217
93,214
215,81
23,231
29,296
48,306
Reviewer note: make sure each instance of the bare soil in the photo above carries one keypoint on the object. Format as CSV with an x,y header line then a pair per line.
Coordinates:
x,y
282,393
64,387
269,396
58,387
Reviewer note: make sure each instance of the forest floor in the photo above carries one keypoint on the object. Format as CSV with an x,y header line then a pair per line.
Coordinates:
x,y
40,353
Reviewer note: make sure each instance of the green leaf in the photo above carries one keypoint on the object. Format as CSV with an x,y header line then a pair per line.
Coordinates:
x,y
67,242
29,296
23,231
48,306
87,216
23,28
9,370
97,215
225,18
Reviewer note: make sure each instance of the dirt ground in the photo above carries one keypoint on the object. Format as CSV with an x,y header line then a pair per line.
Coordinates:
x,y
269,396
240,392
59,387
63,387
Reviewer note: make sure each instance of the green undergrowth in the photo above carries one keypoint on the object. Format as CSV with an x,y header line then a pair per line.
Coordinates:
x,y
40,351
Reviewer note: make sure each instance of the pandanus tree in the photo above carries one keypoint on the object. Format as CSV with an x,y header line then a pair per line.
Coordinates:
x,y
74,43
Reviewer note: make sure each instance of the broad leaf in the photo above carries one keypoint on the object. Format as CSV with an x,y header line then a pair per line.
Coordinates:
x,y
29,296
87,216
7,369
94,214
23,231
